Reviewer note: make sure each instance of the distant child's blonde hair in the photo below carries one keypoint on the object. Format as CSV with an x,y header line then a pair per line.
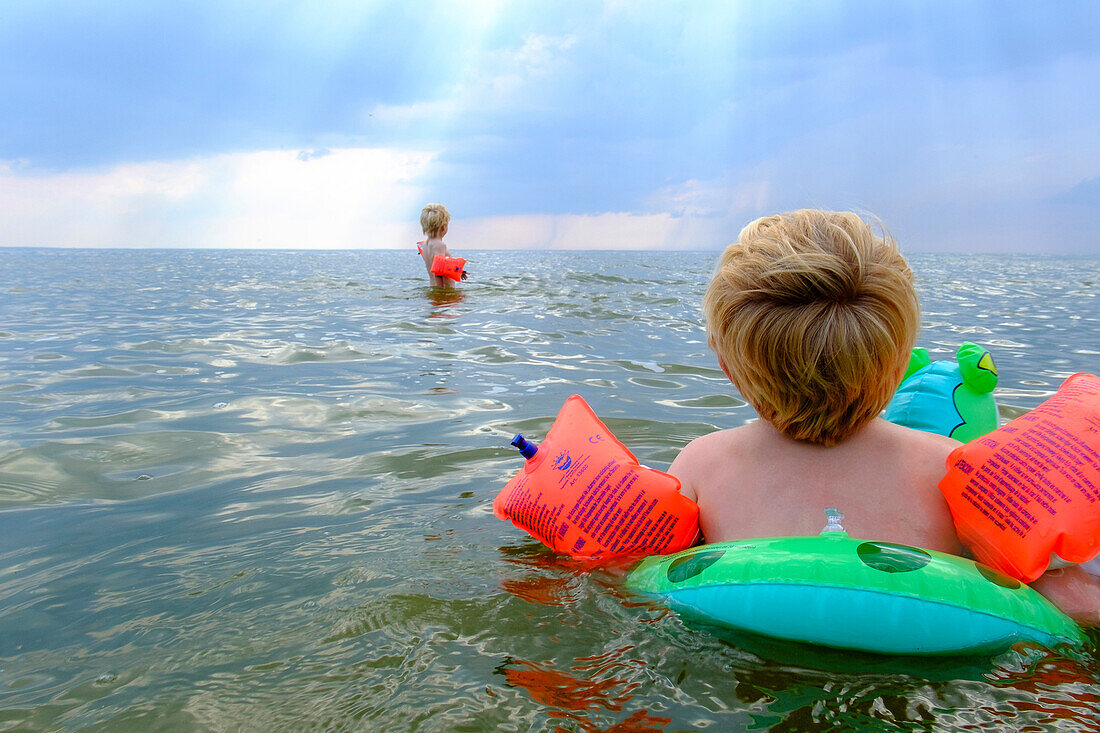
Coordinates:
x,y
434,219
813,317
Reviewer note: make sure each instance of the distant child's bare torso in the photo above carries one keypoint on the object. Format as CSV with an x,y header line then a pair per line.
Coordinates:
x,y
429,250
754,482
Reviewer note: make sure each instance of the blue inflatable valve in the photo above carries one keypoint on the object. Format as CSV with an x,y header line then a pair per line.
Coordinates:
x,y
527,449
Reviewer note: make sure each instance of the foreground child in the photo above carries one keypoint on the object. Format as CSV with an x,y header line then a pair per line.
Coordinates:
x,y
813,318
434,219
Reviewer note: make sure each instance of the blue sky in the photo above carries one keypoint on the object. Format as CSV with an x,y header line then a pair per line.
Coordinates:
x,y
965,126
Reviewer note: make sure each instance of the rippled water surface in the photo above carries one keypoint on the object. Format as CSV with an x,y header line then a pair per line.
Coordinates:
x,y
251,491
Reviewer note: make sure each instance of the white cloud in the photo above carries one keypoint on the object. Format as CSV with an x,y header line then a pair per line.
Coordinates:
x,y
538,55
497,81
425,110
614,230
351,197
712,198
339,198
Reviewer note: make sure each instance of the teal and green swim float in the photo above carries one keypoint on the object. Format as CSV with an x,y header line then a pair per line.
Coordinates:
x,y
836,591
952,398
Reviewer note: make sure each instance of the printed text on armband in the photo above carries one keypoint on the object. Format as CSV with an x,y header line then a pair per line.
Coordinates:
x,y
980,503
1082,451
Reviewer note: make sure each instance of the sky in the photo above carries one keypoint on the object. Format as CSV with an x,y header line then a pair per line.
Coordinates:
x,y
964,126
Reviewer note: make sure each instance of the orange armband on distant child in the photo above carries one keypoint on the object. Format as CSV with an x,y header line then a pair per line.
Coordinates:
x,y
450,267
1032,487
583,493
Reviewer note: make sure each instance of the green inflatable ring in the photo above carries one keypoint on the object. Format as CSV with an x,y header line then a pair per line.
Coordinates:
x,y
836,591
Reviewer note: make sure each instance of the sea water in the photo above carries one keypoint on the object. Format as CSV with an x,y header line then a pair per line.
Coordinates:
x,y
247,490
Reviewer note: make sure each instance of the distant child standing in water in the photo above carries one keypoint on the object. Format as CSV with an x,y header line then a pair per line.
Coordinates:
x,y
434,219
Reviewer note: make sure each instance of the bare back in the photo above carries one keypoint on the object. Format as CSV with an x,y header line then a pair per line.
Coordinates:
x,y
752,481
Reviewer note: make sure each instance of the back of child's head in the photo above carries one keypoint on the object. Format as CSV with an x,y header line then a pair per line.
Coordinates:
x,y
434,219
814,317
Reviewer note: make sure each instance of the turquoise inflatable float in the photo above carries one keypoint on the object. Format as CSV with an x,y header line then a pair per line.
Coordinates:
x,y
836,591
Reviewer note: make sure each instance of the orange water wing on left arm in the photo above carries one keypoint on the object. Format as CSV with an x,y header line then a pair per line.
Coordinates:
x,y
583,493
449,267
1032,487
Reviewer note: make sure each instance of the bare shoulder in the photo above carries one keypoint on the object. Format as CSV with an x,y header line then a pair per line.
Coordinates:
x,y
926,458
436,247
921,446
698,457
718,443
923,456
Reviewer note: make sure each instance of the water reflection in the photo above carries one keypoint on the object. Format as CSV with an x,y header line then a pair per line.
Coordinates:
x,y
443,298
550,580
1051,690
586,687
559,689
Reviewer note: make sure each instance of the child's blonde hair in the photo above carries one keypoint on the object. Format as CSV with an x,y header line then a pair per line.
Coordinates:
x,y
813,317
434,218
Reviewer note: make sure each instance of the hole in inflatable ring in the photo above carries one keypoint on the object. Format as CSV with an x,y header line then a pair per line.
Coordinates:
x,y
691,565
891,558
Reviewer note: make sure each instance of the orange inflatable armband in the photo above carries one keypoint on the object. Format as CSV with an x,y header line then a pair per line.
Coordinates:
x,y
583,493
1032,487
452,267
